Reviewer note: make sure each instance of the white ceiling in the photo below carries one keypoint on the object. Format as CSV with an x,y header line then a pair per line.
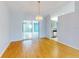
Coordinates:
x,y
31,7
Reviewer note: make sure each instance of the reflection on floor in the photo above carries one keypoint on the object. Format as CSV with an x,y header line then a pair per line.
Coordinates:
x,y
43,48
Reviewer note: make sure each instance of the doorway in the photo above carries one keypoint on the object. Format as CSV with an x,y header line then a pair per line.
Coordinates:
x,y
54,21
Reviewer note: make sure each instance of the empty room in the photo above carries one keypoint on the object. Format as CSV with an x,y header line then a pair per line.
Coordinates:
x,y
39,29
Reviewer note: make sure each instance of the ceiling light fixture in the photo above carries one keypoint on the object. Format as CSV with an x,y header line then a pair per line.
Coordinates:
x,y
38,18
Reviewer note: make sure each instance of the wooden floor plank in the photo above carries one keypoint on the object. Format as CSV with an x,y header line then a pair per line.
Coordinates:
x,y
43,48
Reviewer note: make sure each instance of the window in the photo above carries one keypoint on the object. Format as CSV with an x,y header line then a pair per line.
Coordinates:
x,y
35,27
29,28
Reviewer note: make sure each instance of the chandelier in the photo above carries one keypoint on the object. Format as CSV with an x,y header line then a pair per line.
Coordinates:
x,y
39,17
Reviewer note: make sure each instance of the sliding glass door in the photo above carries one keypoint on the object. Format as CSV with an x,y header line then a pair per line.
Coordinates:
x,y
30,29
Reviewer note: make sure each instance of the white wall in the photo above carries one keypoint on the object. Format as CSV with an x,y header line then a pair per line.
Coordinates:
x,y
16,26
45,27
68,28
4,27
42,28
48,27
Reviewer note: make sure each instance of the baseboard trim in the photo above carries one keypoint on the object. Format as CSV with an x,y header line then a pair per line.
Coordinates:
x,y
4,49
65,44
68,45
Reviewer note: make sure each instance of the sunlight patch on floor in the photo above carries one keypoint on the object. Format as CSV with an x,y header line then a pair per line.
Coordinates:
x,y
27,43
55,39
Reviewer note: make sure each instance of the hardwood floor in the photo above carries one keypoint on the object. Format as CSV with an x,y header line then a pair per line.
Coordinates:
x,y
44,48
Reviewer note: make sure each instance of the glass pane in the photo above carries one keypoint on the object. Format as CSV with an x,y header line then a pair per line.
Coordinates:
x,y
27,27
53,24
36,27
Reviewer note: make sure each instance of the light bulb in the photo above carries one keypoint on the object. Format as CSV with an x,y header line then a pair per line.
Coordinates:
x,y
39,18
